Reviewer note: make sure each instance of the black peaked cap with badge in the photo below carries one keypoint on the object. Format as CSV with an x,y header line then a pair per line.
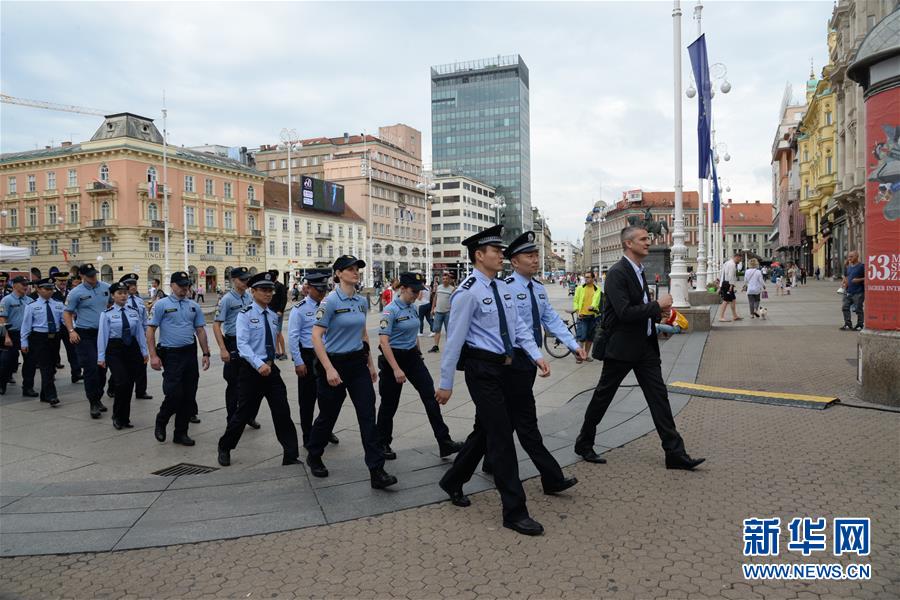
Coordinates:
x,y
87,270
119,285
492,236
263,280
129,278
46,282
523,243
240,273
318,278
20,279
347,260
416,281
180,278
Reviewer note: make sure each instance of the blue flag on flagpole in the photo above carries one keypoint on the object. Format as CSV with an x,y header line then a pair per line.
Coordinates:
x,y
700,66
716,203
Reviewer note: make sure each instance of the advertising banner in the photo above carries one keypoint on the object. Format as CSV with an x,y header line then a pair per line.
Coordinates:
x,y
322,195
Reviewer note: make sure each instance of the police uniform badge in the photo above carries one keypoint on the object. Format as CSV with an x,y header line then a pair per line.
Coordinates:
x,y
320,312
383,324
487,300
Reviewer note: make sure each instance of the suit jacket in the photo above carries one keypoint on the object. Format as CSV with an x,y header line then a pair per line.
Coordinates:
x,y
624,315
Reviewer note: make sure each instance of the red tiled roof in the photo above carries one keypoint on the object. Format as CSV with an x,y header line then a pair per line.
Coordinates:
x,y
651,199
275,196
747,214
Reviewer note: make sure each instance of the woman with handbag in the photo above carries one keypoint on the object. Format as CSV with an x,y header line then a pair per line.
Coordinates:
x,y
755,285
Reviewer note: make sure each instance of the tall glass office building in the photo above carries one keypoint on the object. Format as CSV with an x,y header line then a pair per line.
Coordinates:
x,y
480,127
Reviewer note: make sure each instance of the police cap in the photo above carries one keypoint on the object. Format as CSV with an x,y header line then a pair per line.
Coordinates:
x,y
46,282
523,243
20,279
492,236
87,270
240,273
129,278
318,278
180,278
119,285
415,281
347,260
262,280
4,275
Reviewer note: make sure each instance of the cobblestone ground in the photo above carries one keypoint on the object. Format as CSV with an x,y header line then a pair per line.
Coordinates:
x,y
629,529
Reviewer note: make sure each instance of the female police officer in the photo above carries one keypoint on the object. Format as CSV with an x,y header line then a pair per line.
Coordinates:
x,y
342,368
401,360
122,345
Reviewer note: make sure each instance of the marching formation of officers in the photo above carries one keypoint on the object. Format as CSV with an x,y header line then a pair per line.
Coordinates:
x,y
494,337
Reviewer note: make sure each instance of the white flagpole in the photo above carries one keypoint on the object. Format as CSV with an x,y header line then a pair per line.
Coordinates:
x,y
166,271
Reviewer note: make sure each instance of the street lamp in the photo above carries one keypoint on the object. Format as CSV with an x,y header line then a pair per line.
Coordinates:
x,y
426,185
498,205
287,137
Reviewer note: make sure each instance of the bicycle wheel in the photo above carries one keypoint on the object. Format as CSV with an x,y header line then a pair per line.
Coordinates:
x,y
555,347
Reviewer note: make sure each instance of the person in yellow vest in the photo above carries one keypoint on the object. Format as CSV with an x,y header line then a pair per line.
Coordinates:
x,y
587,306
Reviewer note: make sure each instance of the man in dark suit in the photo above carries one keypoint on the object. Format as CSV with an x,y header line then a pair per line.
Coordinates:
x,y
628,342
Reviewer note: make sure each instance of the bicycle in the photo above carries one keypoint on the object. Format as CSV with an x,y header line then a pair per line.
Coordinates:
x,y
553,345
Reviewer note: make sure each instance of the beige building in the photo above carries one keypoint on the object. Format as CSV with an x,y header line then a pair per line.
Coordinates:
x,y
94,202
460,207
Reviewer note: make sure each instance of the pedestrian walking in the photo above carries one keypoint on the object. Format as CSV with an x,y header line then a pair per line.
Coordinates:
x,y
201,295
727,289
441,310
401,361
122,346
61,289
423,307
344,366
279,304
41,326
480,340
181,326
300,328
802,276
12,310
225,332
587,304
260,376
134,300
818,273
754,283
629,343
854,282
84,306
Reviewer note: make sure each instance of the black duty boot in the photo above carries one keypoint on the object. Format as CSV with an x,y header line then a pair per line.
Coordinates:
x,y
380,478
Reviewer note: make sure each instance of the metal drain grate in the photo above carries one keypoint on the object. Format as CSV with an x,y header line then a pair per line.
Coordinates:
x,y
185,469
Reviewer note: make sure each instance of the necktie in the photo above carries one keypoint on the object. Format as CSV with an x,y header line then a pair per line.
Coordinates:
x,y
504,328
535,316
51,322
646,300
126,328
270,344
134,303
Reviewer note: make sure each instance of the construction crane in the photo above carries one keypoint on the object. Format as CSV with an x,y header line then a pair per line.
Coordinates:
x,y
7,99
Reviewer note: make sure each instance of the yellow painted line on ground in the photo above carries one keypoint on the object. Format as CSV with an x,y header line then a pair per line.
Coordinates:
x,y
782,395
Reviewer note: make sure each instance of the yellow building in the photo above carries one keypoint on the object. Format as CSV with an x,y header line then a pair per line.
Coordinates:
x,y
815,140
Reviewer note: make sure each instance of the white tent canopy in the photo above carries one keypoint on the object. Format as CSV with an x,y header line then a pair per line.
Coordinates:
x,y
13,253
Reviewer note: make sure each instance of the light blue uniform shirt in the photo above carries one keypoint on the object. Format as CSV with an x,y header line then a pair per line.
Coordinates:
x,y
111,329
137,303
549,318
177,321
300,325
400,322
34,318
251,333
13,308
476,321
87,302
345,319
229,307
639,273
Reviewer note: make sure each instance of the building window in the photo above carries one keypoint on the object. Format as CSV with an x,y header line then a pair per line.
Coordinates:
x,y
251,222
51,180
229,220
11,185
51,215
251,193
309,250
271,223
210,247
284,225
828,118
805,155
33,247
190,246
282,164
189,216
105,211
318,228
73,213
153,211
210,217
32,183
73,178
104,172
319,250
209,188
54,246
828,164
227,189
271,247
75,245
14,217
32,216
296,248
229,248
151,174
105,244
330,251
309,227
189,183
153,243
284,248
297,226
251,249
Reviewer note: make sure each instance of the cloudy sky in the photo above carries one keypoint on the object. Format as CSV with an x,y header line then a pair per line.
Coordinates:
x,y
236,73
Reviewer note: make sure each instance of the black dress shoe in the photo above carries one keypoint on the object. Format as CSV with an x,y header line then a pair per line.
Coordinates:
x,y
127,425
225,457
333,439
316,466
291,461
116,423
388,453
561,486
54,402
252,424
143,397
30,393
380,479
101,406
195,419
95,411
683,461
448,447
526,526
159,432
184,440
77,378
457,497
591,456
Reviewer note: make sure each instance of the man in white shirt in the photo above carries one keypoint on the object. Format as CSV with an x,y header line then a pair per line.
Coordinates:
x,y
727,290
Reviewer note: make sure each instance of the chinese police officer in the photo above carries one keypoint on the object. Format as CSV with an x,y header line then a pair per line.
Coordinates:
x,y
178,320
482,335
300,328
345,366
41,326
122,345
259,375
134,300
83,308
12,310
61,294
401,360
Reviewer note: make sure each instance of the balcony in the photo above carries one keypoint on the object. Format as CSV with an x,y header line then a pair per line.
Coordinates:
x,y
145,189
256,233
186,195
157,224
253,204
101,187
102,224
72,191
30,196
54,193
324,236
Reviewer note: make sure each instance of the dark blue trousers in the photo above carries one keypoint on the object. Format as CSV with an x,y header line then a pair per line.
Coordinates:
x,y
94,376
410,361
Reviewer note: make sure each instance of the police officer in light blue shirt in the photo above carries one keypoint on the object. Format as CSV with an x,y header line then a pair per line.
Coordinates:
x,y
345,366
178,320
257,328
401,360
300,328
40,333
12,309
122,346
225,331
483,332
82,316
135,301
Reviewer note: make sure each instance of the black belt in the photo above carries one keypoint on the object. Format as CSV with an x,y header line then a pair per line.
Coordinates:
x,y
486,355
346,356
43,333
188,348
119,342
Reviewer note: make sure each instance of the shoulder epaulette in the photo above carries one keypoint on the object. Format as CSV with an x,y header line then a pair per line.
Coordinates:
x,y
509,279
299,304
108,309
536,281
468,283
247,308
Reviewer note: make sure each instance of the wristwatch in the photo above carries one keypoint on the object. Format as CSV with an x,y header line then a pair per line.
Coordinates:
x,y
207,354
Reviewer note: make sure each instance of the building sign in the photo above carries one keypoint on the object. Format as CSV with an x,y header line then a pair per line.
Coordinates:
x,y
882,255
322,195
633,196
